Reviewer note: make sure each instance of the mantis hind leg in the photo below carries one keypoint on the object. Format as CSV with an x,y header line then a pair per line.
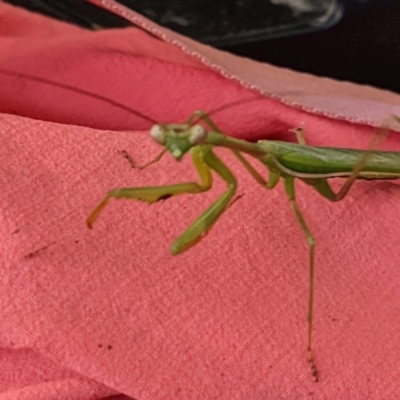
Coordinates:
x,y
290,192
322,186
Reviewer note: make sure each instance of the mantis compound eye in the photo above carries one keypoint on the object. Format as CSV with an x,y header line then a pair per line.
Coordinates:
x,y
157,133
197,134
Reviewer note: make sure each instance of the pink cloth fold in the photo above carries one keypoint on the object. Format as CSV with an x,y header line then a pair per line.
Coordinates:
x,y
110,311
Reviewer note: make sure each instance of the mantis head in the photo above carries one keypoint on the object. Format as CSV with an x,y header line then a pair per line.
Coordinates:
x,y
178,139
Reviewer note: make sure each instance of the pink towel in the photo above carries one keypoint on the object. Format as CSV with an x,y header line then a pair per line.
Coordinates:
x,y
110,311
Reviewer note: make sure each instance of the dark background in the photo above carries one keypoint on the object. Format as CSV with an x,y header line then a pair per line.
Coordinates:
x,y
362,44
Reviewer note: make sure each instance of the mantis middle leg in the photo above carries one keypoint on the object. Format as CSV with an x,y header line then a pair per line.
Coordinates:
x,y
290,192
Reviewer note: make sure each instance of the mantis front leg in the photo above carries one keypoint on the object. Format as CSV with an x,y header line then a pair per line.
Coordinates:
x,y
157,193
204,160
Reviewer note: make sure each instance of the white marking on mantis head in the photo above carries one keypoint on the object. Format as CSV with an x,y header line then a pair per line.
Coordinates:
x,y
157,133
197,134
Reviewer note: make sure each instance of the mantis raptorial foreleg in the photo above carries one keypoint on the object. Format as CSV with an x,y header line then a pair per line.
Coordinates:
x,y
273,179
155,193
200,227
203,160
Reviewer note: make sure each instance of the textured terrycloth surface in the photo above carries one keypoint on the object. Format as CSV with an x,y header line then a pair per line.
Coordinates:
x,y
109,311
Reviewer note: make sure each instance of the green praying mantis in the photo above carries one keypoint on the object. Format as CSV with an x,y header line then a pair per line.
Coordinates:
x,y
284,161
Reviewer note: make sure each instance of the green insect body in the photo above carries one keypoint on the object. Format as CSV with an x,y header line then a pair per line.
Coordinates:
x,y
284,161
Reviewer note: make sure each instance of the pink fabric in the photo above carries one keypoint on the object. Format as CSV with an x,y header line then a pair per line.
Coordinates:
x,y
323,96
109,311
